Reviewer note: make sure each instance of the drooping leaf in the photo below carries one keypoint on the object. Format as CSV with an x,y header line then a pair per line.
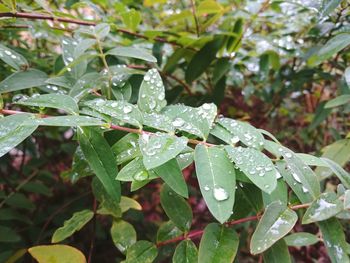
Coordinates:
x,y
101,160
13,132
176,208
171,174
127,148
299,176
123,235
159,148
12,58
255,165
152,93
338,101
276,222
65,121
57,254
75,223
57,101
198,65
278,253
167,231
135,171
23,80
334,240
343,175
325,206
333,46
301,239
120,110
185,252
141,251
219,244
196,121
338,152
132,52
216,177
242,131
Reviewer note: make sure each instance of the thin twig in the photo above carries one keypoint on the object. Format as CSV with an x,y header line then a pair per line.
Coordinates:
x,y
92,243
38,16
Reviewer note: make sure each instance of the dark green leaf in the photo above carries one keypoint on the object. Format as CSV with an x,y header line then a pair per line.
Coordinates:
x,y
12,58
176,208
186,252
216,176
278,253
101,160
301,239
131,52
67,121
123,235
23,80
219,244
142,251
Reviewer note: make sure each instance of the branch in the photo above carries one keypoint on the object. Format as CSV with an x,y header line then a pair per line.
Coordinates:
x,y
198,233
37,16
112,126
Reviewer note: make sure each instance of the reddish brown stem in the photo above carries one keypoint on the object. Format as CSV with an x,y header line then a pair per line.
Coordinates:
x,y
37,16
113,127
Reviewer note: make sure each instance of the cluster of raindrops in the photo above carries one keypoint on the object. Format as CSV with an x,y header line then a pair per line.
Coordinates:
x,y
158,121
121,110
7,54
242,131
152,93
253,163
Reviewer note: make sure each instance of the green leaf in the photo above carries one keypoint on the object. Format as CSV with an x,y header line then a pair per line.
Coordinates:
x,y
171,174
141,251
132,52
12,58
196,121
122,92
168,230
123,235
327,7
185,158
131,19
216,177
277,221
334,240
242,131
61,81
332,47
120,110
347,199
13,132
301,239
57,101
325,206
219,244
127,148
343,175
338,152
158,121
311,160
255,165
74,224
66,121
299,176
159,148
127,203
176,208
101,160
152,93
8,235
338,101
278,253
198,64
23,80
279,194
57,254
186,252
135,171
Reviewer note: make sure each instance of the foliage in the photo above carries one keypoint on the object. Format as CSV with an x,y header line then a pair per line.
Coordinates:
x,y
125,130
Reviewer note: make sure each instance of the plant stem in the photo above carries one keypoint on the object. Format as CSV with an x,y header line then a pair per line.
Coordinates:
x,y
105,64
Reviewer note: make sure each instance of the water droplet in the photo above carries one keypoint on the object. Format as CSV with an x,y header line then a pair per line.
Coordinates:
x,y
178,122
234,139
206,188
141,175
220,194
288,155
296,177
127,109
